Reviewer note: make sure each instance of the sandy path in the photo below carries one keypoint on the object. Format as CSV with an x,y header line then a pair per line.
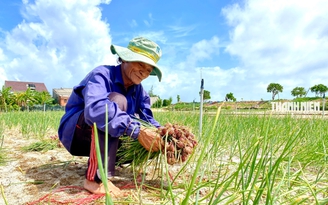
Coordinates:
x,y
28,176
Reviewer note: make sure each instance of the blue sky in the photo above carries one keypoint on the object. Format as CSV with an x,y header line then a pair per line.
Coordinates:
x,y
238,46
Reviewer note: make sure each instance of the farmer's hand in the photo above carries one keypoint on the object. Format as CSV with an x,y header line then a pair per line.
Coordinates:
x,y
150,139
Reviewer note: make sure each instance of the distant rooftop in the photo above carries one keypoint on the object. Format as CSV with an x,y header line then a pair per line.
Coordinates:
x,y
21,86
63,91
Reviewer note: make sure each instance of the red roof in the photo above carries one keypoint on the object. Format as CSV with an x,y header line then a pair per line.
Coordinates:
x,y
20,86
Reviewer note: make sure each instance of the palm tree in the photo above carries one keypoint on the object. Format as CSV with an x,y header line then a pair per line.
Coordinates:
x,y
43,98
26,98
5,95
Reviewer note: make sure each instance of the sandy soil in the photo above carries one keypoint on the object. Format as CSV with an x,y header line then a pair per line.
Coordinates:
x,y
52,177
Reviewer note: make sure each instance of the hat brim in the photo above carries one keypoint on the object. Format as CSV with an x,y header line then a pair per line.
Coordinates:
x,y
130,56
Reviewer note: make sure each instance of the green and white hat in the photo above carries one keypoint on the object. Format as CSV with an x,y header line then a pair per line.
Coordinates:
x,y
143,50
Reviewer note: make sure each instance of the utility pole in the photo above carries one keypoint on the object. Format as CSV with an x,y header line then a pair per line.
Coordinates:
x,y
201,93
193,105
323,104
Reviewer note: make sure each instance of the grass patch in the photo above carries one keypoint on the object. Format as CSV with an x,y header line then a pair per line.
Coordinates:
x,y
2,151
2,157
41,146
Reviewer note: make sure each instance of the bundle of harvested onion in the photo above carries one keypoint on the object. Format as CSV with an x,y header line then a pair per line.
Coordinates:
x,y
179,142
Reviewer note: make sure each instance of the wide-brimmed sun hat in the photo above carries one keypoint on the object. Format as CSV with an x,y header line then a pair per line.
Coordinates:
x,y
143,50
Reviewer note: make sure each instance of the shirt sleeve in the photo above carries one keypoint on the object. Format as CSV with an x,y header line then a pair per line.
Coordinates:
x,y
145,113
95,95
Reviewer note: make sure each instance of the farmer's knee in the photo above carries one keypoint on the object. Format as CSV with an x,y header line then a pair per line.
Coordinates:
x,y
119,99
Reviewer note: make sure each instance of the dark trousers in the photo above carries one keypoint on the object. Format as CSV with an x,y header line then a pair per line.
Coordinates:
x,y
82,141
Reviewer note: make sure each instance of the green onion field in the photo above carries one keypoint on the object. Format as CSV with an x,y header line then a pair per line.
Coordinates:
x,y
240,159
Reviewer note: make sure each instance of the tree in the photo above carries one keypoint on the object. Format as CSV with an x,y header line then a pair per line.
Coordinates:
x,y
151,92
43,98
167,102
207,95
158,103
5,95
26,98
229,97
178,98
319,89
298,92
13,101
274,88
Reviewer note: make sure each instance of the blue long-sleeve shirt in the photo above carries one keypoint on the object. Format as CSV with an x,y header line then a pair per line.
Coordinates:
x,y
91,96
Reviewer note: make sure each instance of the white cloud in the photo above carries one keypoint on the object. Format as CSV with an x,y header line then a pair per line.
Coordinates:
x,y
133,23
2,55
280,41
199,52
58,42
149,22
276,41
203,50
3,76
182,31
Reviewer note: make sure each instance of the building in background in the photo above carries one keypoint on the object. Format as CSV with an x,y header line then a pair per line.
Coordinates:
x,y
153,100
61,95
20,86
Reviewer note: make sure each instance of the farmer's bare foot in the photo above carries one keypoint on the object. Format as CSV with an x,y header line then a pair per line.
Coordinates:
x,y
96,188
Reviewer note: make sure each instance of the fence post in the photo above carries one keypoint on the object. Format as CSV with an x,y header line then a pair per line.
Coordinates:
x,y
201,93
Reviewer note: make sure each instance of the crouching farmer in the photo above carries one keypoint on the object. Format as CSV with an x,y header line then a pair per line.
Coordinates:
x,y
119,87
